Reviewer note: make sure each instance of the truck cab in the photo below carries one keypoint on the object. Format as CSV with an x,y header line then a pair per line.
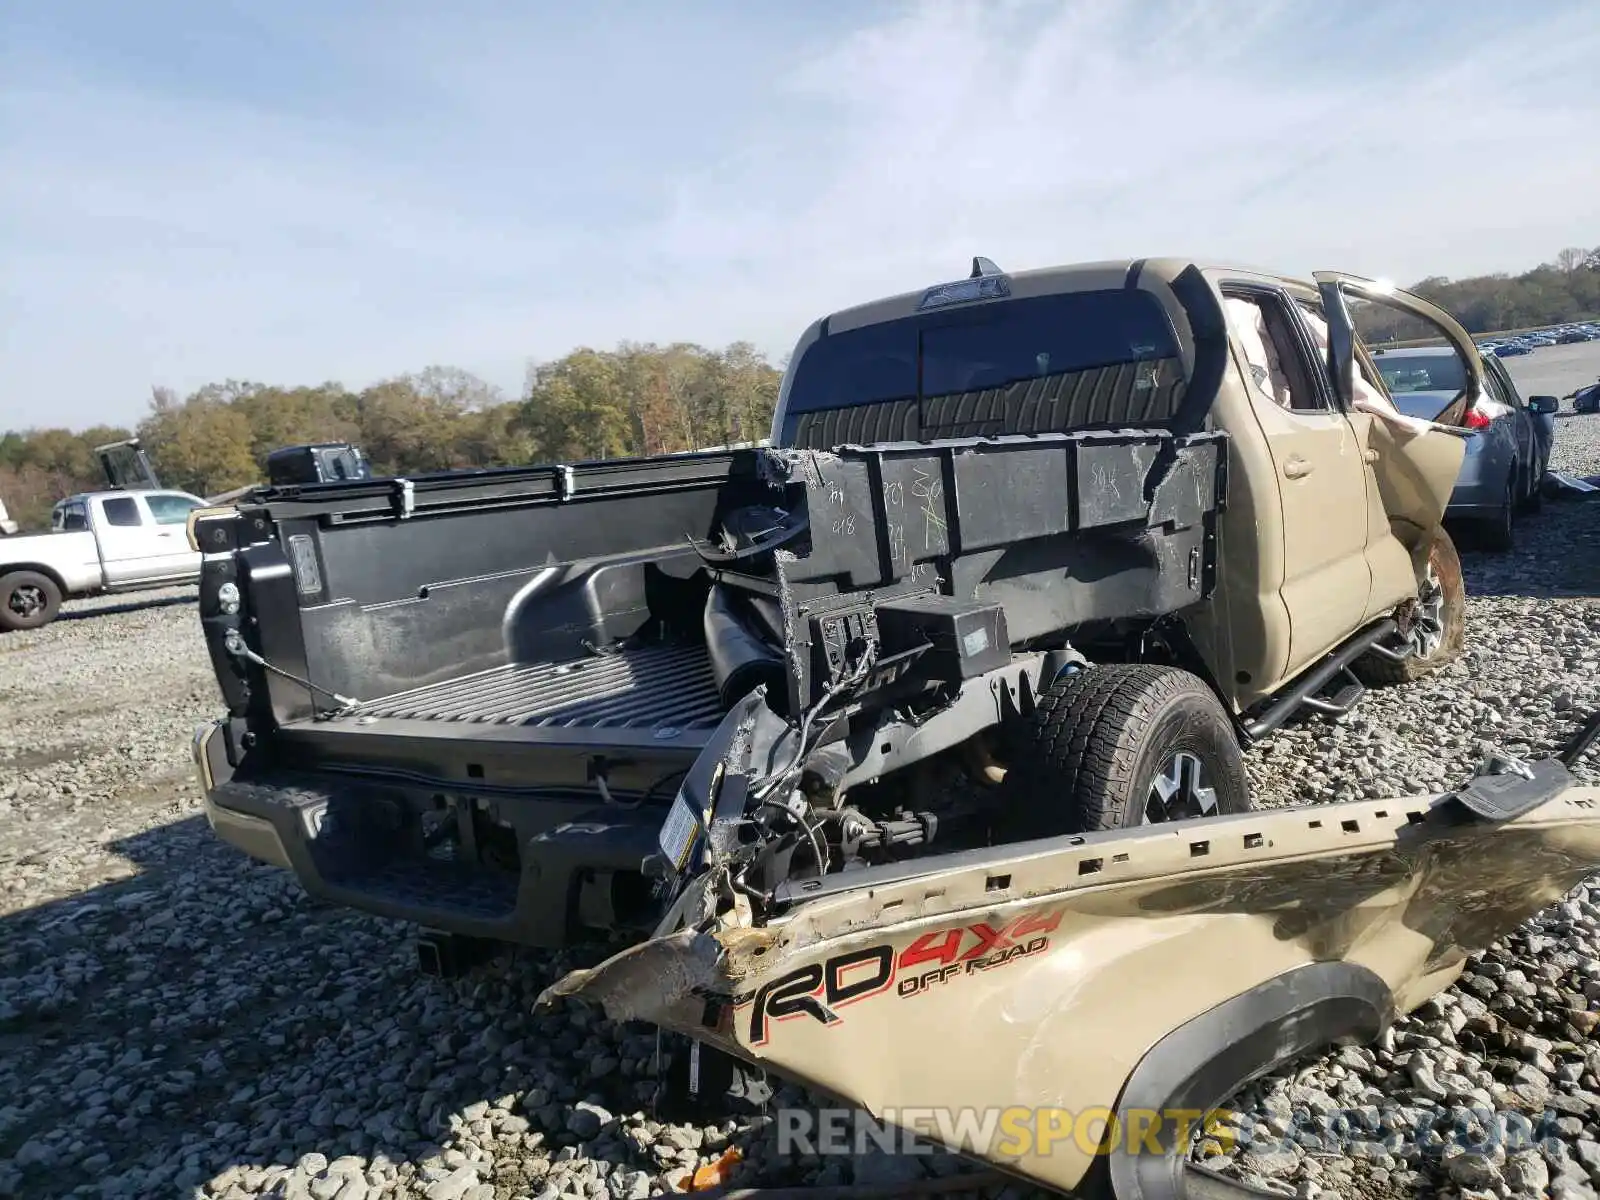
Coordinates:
x,y
141,536
319,462
1331,490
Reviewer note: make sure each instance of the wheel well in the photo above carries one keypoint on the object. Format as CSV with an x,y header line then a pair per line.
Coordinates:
x,y
38,569
1207,1059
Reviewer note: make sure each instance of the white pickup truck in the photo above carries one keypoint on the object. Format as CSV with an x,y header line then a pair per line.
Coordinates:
x,y
99,542
113,541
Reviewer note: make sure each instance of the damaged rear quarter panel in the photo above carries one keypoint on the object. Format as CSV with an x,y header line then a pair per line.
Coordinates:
x,y
1041,977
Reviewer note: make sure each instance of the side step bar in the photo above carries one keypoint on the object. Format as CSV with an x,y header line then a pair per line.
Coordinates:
x,y
1351,689
1303,693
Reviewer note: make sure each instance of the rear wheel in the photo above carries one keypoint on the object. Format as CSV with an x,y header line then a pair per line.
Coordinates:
x,y
1437,625
1118,746
28,600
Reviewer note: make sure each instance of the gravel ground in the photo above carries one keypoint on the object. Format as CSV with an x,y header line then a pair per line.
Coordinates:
x,y
174,1018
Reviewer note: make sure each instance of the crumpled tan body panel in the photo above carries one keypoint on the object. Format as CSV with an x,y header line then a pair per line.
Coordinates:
x,y
1092,952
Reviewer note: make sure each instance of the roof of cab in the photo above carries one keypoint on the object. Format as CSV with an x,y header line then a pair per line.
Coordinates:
x,y
110,493
1042,281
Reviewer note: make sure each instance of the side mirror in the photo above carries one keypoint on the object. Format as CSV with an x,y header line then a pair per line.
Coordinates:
x,y
1543,405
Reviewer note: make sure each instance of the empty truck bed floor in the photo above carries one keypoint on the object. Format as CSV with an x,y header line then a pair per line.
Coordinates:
x,y
658,695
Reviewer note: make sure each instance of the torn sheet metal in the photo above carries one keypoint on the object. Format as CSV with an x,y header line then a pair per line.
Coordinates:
x,y
1559,486
1081,970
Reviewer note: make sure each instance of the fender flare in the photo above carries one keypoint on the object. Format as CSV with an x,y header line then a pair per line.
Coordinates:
x,y
1210,1057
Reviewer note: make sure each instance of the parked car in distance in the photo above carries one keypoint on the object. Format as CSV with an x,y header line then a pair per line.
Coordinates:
x,y
1509,449
1587,399
1511,349
99,542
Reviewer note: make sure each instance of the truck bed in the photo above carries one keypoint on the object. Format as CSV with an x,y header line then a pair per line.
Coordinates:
x,y
471,701
651,688
562,606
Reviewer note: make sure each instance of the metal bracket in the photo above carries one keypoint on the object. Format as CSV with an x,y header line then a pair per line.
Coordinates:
x,y
567,482
405,498
1513,788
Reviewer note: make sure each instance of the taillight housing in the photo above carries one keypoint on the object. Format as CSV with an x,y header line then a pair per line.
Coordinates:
x,y
1476,420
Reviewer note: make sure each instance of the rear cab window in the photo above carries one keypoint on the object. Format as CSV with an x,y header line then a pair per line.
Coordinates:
x,y
1040,364
121,511
1440,372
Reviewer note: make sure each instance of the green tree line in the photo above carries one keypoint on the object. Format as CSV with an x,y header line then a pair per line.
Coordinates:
x,y
1566,289
636,399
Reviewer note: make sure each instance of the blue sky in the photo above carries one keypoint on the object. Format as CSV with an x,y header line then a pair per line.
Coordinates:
x,y
296,192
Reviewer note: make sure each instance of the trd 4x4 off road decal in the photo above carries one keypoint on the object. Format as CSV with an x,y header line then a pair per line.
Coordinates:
x,y
819,989
816,990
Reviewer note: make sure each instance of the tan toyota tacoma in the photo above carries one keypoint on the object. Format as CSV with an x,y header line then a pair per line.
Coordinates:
x,y
929,715
1029,554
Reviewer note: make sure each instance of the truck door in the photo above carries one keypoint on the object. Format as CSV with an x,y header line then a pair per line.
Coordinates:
x,y
131,543
170,511
1321,480
1524,424
1412,465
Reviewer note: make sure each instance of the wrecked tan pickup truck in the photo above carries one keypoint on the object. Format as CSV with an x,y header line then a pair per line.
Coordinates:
x,y
1029,553
928,717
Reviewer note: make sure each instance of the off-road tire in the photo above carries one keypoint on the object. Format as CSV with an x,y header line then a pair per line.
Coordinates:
x,y
1445,565
1096,742
15,582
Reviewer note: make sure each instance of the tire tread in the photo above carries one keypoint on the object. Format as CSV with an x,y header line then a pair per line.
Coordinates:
x,y
1086,734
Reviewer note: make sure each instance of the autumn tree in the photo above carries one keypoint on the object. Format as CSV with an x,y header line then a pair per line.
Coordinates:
x,y
576,408
199,445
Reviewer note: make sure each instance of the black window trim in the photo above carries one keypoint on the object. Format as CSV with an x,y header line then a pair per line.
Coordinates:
x,y
1508,385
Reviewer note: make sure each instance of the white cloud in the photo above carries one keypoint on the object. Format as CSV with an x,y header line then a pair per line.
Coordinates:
x,y
1047,133
157,236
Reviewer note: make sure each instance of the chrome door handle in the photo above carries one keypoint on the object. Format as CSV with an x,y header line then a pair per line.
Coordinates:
x,y
1297,468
